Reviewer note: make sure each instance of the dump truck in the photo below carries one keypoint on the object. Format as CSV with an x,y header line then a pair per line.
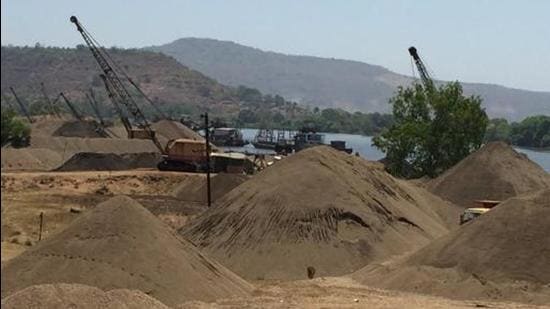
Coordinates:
x,y
474,212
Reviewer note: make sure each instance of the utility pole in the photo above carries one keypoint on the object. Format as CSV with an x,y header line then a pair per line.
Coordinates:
x,y
207,135
41,226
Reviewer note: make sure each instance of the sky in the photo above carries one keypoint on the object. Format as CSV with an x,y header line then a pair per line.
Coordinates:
x,y
501,42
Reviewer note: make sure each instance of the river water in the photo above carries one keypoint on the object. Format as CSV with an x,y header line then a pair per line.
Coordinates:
x,y
363,145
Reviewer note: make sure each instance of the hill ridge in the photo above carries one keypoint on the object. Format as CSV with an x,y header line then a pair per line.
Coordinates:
x,y
332,82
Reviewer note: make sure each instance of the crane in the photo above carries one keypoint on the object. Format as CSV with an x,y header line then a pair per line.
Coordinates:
x,y
125,121
426,79
75,113
95,107
50,103
116,89
21,105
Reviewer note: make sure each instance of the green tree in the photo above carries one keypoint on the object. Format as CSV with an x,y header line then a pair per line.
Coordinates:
x,y
498,129
14,131
432,130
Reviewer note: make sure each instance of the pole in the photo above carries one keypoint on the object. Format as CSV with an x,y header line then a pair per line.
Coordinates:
x,y
41,225
207,135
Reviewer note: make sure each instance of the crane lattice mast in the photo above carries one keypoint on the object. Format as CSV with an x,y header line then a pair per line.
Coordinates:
x,y
426,79
116,89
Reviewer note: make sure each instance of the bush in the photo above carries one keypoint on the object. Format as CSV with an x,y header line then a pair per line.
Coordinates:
x,y
14,130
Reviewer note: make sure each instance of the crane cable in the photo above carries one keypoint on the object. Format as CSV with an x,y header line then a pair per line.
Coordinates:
x,y
123,72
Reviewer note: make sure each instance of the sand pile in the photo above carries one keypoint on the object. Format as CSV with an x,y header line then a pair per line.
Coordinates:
x,y
168,129
89,161
38,159
76,128
195,191
503,254
68,146
119,244
46,126
319,208
54,296
496,171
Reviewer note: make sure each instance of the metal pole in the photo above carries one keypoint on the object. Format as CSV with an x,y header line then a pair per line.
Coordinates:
x,y
41,225
207,135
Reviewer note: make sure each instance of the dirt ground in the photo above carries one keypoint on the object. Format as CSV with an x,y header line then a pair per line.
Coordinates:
x,y
338,292
61,196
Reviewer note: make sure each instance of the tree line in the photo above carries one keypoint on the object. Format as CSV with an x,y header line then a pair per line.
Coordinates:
x,y
531,132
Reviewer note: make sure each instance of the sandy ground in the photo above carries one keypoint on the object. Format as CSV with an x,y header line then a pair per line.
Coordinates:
x,y
26,194
339,292
61,196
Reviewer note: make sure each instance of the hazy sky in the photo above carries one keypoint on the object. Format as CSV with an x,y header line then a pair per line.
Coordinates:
x,y
493,41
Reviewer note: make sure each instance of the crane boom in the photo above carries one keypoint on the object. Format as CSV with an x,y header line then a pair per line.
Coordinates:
x,y
112,95
76,114
50,103
21,105
95,107
114,85
426,79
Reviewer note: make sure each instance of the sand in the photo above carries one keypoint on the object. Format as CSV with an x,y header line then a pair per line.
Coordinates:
x,y
62,295
168,129
26,194
119,244
89,161
319,208
220,184
38,159
76,128
501,255
339,292
496,172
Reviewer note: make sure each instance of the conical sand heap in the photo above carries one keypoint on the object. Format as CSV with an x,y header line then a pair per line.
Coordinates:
x,y
121,245
496,172
321,209
503,254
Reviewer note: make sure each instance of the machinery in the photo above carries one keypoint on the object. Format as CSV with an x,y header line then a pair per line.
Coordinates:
x,y
483,206
426,79
95,107
21,105
307,138
179,154
227,137
185,155
53,107
73,110
118,93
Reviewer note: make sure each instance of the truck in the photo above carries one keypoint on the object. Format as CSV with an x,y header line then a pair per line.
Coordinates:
x,y
483,206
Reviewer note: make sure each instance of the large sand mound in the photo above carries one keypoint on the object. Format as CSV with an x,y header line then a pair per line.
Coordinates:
x,y
496,171
195,191
68,146
119,244
88,161
77,128
168,129
319,208
38,159
503,254
55,296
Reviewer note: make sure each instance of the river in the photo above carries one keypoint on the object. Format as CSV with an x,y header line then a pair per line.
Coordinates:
x,y
363,145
